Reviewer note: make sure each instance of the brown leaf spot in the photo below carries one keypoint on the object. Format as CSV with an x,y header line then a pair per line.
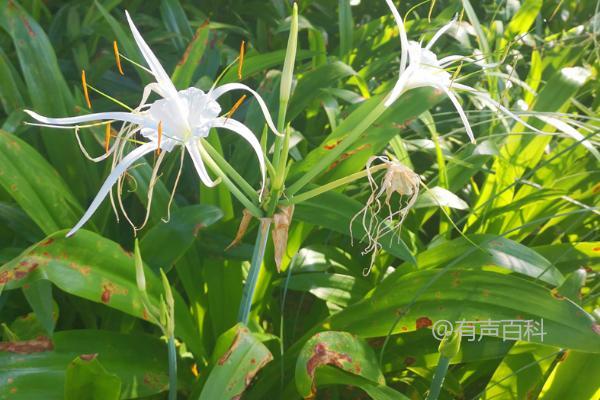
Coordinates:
x,y
47,242
231,349
37,345
596,328
88,357
106,293
13,390
423,322
323,356
408,361
556,295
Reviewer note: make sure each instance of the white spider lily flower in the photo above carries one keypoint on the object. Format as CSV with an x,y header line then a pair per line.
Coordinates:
x,y
179,118
420,67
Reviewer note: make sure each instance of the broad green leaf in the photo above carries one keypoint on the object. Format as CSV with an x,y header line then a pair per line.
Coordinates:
x,y
346,24
440,197
339,349
39,297
166,242
333,376
176,22
333,288
35,185
48,92
573,378
94,268
237,358
138,360
308,88
470,295
185,68
11,97
521,23
493,251
258,62
87,379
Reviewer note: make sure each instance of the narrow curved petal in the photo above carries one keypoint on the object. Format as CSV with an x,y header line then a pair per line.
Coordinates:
x,y
247,134
159,72
399,87
111,180
403,37
461,112
572,132
198,163
439,34
228,87
486,99
117,116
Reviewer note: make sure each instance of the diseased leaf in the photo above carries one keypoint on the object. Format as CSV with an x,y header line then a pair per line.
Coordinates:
x,y
87,379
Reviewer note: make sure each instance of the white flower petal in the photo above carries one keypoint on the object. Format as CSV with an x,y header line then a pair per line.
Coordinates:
x,y
111,180
117,116
399,87
460,110
198,163
403,37
159,73
228,87
247,134
439,34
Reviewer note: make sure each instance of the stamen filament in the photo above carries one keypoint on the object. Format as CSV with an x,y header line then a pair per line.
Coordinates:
x,y
101,93
241,64
107,137
236,106
85,90
136,64
117,57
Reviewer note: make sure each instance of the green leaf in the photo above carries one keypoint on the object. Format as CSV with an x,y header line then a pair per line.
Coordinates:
x,y
440,197
573,378
308,88
94,268
333,376
338,289
35,185
493,251
48,92
138,360
237,358
165,243
255,63
176,22
429,296
39,297
185,68
339,349
87,379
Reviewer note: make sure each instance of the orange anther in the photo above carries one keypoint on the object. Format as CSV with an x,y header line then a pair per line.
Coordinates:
x,y
241,63
85,89
118,57
236,106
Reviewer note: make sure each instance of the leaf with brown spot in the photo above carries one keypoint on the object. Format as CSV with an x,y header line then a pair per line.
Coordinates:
x,y
338,349
237,358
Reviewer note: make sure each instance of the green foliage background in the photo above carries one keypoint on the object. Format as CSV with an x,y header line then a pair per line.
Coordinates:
x,y
525,245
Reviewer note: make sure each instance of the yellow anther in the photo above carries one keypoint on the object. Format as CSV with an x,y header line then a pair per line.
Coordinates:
x,y
85,89
118,57
160,129
195,370
235,107
107,137
241,62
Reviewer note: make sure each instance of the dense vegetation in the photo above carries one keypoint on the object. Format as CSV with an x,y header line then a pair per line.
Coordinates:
x,y
378,219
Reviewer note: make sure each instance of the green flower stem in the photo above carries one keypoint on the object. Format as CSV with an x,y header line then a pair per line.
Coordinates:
x,y
257,260
231,172
230,185
172,368
332,185
438,378
333,155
